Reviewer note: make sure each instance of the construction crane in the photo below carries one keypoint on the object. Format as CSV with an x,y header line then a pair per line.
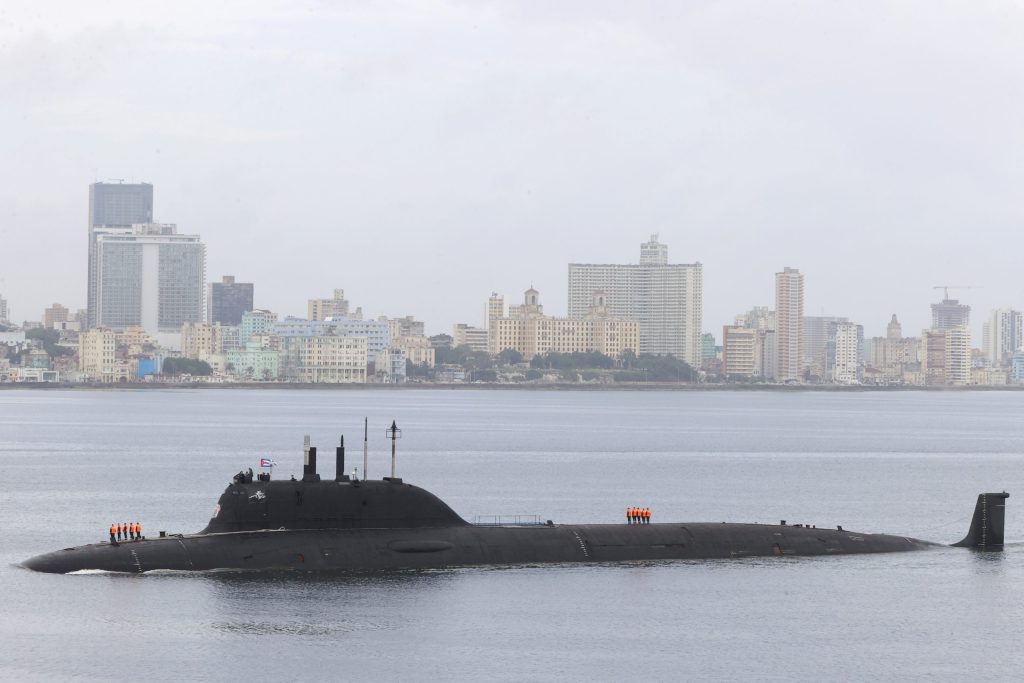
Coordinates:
x,y
945,289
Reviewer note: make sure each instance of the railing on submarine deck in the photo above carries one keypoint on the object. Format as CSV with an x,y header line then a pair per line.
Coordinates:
x,y
508,520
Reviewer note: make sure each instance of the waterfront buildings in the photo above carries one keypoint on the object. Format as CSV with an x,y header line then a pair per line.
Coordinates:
x,y
149,276
228,300
666,300
375,332
789,319
323,358
113,206
1002,336
256,359
527,330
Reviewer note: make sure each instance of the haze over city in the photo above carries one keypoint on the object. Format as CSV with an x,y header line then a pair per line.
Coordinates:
x,y
422,155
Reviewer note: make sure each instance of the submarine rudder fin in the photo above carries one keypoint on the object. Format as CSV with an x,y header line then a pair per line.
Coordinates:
x,y
986,532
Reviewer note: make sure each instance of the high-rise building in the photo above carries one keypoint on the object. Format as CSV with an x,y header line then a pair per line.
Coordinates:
x,y
54,315
495,310
958,355
844,352
4,314
113,206
335,307
665,299
150,277
950,313
740,352
228,301
1002,335
97,355
946,356
789,320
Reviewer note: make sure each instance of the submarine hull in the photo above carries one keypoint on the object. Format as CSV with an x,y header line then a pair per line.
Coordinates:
x,y
466,545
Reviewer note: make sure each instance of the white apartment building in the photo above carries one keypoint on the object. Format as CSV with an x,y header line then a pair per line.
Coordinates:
x,y
789,320
739,351
148,276
845,352
466,335
97,355
1002,335
666,300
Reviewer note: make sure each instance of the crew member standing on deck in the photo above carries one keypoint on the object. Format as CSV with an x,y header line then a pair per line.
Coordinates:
x,y
118,526
113,531
138,530
629,515
647,515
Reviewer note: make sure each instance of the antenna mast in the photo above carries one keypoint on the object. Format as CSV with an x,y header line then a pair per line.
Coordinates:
x,y
366,439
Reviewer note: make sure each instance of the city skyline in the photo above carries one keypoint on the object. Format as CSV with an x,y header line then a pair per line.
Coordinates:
x,y
430,160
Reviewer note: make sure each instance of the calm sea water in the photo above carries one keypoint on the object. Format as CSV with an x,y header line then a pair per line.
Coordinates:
x,y
911,463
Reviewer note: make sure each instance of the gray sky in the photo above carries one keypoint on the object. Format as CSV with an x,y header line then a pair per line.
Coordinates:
x,y
423,154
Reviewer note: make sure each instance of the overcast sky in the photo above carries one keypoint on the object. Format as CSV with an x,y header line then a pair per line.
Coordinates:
x,y
423,154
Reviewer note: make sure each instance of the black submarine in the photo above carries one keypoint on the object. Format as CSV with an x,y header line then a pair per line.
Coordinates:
x,y
348,524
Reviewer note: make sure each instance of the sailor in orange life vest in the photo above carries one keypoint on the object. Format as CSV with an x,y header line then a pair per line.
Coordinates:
x,y
113,531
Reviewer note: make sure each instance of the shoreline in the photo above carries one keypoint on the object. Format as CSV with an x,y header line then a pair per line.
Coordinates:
x,y
557,386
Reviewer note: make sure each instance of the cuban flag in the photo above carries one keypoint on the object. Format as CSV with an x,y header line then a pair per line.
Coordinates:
x,y
267,462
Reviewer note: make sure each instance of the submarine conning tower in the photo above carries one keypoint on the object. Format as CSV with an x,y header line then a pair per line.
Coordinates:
x,y
313,503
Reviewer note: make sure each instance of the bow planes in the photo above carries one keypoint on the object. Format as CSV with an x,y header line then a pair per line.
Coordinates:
x,y
347,524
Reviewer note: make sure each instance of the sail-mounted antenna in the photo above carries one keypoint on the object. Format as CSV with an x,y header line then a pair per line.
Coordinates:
x,y
393,433
366,445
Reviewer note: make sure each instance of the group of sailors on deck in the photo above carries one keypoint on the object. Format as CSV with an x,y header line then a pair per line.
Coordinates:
x,y
126,531
638,515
